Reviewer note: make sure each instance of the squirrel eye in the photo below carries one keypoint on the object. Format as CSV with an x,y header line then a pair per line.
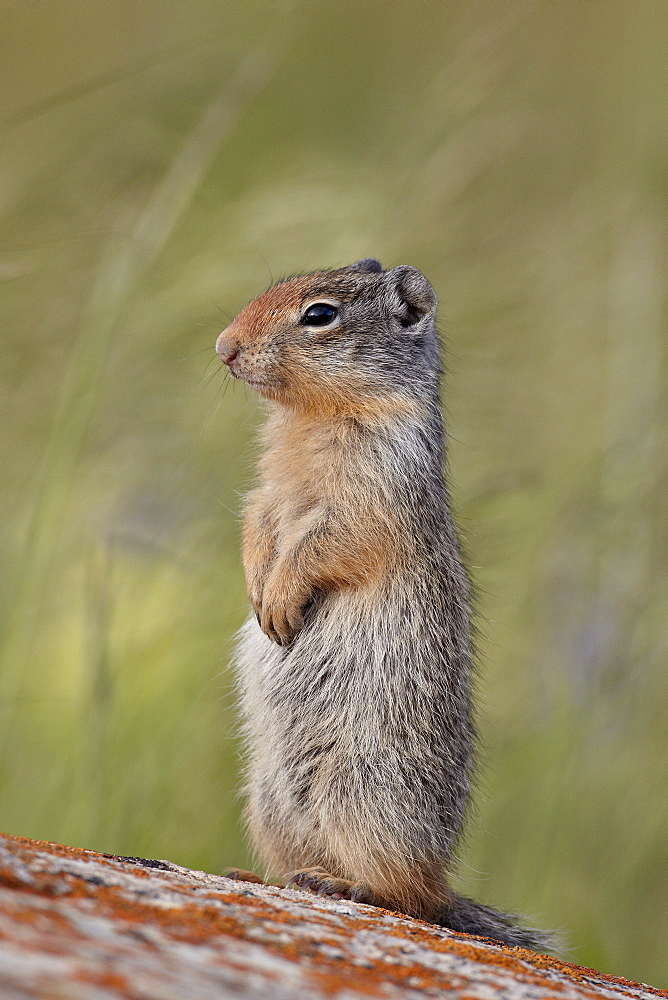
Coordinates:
x,y
319,314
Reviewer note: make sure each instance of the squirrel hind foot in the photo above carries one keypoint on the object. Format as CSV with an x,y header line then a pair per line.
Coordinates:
x,y
321,883
242,875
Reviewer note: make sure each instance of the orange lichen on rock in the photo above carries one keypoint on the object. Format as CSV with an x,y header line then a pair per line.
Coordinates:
x,y
77,923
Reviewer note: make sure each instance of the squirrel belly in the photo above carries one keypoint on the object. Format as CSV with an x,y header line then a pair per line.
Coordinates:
x,y
348,770
355,669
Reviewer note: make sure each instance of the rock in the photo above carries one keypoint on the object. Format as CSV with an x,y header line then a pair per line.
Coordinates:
x,y
76,925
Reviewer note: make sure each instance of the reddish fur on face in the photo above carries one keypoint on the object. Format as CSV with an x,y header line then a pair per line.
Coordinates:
x,y
270,312
257,336
267,352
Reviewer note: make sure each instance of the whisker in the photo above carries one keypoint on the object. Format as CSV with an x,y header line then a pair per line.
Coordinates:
x,y
220,309
267,265
208,365
209,380
213,412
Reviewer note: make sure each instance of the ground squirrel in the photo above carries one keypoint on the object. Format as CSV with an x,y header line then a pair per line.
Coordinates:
x,y
355,670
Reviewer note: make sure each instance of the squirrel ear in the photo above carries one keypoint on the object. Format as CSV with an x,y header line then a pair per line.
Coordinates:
x,y
369,264
415,295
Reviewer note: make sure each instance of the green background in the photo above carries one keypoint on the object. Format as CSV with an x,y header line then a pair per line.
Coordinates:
x,y
160,163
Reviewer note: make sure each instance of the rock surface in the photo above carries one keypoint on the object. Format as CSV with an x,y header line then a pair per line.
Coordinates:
x,y
76,925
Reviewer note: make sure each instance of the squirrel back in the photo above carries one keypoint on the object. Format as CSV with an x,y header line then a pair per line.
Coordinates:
x,y
355,669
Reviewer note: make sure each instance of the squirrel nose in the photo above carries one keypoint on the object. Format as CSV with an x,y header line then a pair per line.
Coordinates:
x,y
229,355
226,350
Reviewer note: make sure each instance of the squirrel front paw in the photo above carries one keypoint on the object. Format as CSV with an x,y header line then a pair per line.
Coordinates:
x,y
281,615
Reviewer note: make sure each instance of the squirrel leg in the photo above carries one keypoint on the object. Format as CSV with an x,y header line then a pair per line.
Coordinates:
x,y
299,569
259,547
320,559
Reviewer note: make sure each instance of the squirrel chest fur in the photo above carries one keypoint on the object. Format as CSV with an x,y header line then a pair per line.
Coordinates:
x,y
355,668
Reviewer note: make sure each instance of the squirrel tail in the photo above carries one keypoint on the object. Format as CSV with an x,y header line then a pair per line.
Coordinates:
x,y
475,918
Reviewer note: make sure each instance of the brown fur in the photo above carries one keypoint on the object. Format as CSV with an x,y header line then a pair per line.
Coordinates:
x,y
302,473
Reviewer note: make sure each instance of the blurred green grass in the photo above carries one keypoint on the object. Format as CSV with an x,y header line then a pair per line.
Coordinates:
x,y
162,163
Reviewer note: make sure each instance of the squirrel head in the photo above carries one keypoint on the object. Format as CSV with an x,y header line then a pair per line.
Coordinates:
x,y
350,341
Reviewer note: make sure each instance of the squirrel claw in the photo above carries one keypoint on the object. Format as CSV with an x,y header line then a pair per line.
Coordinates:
x,y
280,628
299,878
279,638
